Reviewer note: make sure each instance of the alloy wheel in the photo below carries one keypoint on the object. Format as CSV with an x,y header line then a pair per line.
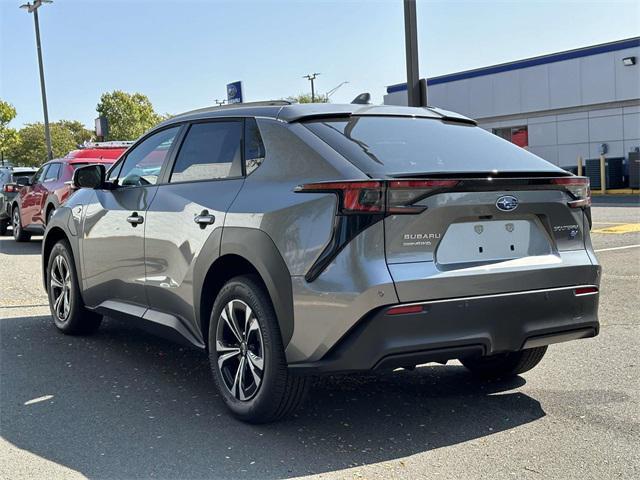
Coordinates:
x,y
60,280
240,349
15,220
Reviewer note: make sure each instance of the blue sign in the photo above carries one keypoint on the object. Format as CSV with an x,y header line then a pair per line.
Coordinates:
x,y
234,92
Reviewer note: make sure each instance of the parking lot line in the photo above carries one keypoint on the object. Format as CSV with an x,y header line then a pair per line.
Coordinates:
x,y
619,229
615,248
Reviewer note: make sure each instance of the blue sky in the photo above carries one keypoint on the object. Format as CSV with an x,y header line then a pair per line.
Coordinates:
x,y
181,53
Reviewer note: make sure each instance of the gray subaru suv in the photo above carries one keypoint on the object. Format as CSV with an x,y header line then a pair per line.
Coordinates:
x,y
289,241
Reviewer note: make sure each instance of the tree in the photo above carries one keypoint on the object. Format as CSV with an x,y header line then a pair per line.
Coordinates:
x,y
129,114
8,136
306,98
31,149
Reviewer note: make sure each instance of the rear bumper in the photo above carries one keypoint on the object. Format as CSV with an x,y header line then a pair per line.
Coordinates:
x,y
455,328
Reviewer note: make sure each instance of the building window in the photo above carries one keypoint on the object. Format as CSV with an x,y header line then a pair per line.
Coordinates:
x,y
516,135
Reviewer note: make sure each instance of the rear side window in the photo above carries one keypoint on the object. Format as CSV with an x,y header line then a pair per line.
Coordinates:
x,y
253,146
381,146
210,151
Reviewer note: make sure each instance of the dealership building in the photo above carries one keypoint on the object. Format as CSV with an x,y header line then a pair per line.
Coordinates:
x,y
578,103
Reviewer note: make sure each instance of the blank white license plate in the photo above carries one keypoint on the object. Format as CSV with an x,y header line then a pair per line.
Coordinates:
x,y
493,240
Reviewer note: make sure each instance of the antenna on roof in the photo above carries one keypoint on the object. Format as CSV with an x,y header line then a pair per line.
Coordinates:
x,y
362,99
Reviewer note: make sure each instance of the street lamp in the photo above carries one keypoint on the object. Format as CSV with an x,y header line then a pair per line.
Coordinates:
x,y
335,89
33,8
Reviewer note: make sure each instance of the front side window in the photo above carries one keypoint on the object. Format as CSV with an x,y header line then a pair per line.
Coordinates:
x,y
52,173
144,163
209,151
40,174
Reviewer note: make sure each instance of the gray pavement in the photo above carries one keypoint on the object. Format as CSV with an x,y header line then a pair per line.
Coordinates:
x,y
122,404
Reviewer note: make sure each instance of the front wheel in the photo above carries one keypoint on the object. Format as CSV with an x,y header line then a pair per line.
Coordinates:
x,y
19,235
504,365
247,357
67,308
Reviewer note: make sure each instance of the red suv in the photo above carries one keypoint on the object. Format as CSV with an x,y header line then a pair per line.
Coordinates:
x,y
50,186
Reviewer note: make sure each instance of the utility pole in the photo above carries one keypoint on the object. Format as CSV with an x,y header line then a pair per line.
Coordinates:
x,y
311,77
411,47
33,8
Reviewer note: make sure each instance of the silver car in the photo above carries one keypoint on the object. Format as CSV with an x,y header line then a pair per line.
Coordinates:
x,y
289,241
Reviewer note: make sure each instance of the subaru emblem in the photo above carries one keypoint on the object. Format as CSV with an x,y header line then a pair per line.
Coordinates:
x,y
507,203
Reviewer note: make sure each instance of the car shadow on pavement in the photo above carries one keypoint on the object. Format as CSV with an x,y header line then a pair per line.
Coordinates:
x,y
124,404
9,246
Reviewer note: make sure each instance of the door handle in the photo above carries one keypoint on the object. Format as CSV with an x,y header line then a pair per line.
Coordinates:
x,y
134,219
204,219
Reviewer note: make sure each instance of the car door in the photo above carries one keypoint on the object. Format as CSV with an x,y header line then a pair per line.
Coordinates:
x,y
186,217
46,188
31,195
114,224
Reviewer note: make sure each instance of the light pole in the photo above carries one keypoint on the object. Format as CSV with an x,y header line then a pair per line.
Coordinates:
x,y
411,46
335,89
311,77
33,8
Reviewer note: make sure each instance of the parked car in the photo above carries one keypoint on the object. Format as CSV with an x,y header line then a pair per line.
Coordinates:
x,y
50,187
8,190
294,240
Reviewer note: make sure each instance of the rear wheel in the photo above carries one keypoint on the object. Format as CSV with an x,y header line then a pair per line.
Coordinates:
x,y
19,235
67,309
504,365
247,357
3,227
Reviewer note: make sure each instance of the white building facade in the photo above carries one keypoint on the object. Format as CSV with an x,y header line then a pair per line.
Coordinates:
x,y
560,106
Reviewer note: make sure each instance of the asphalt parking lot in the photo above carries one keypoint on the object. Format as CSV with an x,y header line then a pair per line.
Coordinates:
x,y
122,404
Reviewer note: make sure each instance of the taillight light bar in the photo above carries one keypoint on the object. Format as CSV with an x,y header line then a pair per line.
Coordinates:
x,y
579,189
364,196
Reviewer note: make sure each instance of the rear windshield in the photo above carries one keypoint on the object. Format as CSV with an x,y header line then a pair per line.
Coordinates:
x,y
381,146
17,175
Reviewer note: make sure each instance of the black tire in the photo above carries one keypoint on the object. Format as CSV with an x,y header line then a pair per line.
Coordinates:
x,y
3,227
505,365
19,235
70,315
279,392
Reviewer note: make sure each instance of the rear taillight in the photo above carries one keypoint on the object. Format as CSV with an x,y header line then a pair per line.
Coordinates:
x,y
362,203
355,197
578,188
379,197
10,188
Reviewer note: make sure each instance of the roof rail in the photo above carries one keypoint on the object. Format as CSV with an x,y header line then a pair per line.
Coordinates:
x,y
112,144
262,103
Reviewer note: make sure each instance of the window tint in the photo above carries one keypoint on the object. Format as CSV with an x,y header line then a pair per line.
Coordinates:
x,y
143,164
253,146
209,151
382,146
52,172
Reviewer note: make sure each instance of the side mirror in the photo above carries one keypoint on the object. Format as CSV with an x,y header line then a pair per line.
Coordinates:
x,y
23,181
89,176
